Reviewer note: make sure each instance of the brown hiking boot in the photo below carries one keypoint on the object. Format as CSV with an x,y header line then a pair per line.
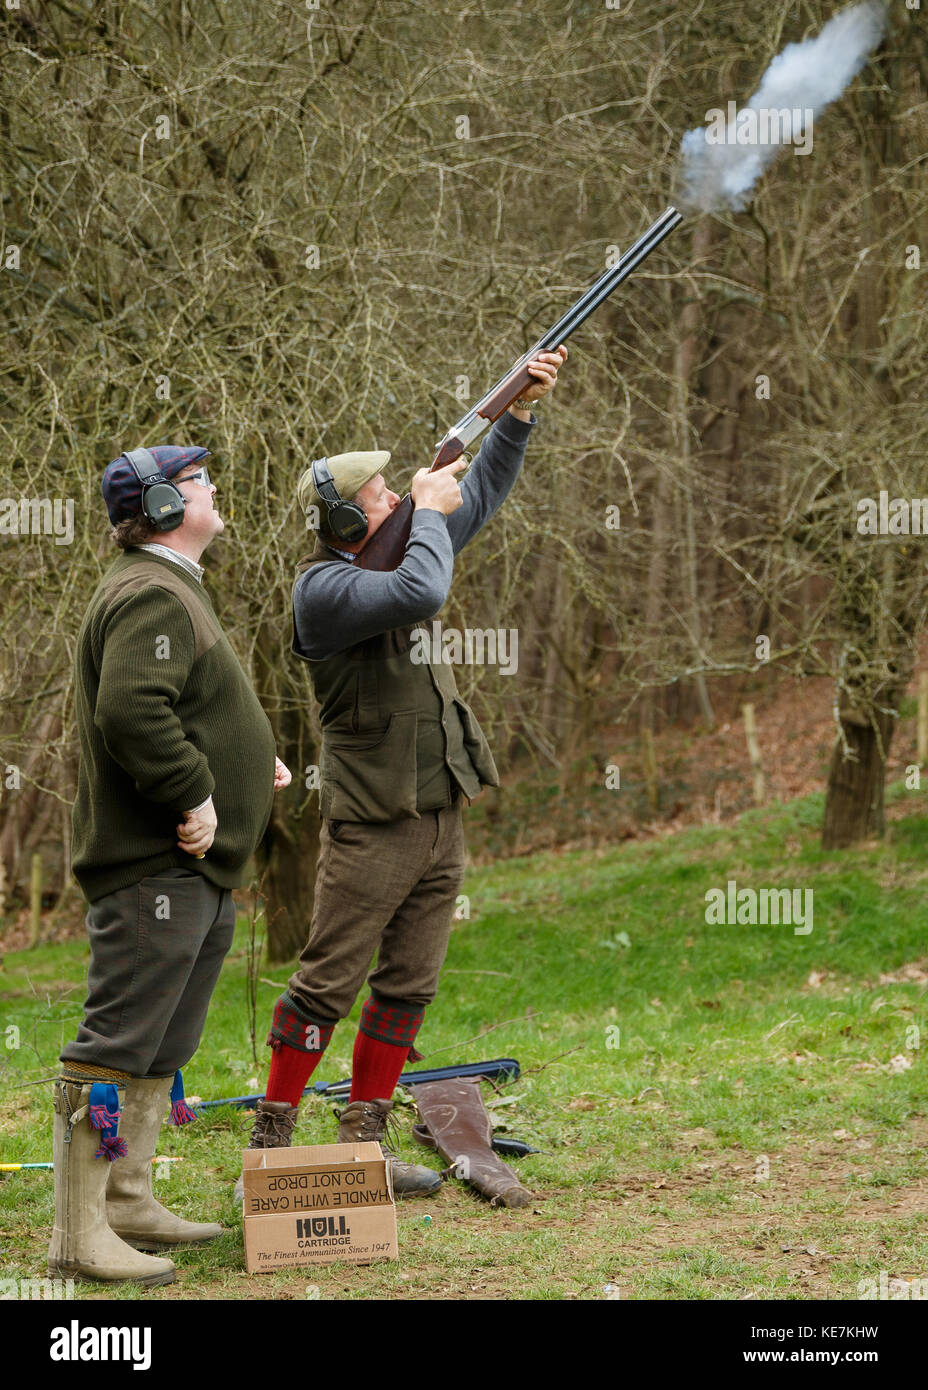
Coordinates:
x,y
273,1129
365,1121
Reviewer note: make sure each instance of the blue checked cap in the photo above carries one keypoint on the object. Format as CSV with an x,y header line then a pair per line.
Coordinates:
x,y
122,491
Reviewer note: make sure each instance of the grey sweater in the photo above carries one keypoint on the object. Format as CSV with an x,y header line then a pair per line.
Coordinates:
x,y
335,606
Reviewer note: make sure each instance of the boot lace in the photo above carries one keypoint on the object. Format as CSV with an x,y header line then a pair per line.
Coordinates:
x,y
271,1131
378,1125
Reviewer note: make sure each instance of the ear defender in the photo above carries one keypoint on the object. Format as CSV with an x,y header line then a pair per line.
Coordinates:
x,y
162,501
347,520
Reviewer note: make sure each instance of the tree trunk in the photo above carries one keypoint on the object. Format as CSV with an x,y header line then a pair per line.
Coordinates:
x,y
854,807
287,855
288,863
684,370
28,813
655,599
654,611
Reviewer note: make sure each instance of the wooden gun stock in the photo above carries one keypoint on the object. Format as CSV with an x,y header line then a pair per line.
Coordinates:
x,y
508,390
387,546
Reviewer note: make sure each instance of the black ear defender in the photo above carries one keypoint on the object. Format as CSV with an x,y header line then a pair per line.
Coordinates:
x,y
162,501
347,520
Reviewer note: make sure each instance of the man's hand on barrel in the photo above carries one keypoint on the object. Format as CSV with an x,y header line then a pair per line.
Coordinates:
x,y
544,367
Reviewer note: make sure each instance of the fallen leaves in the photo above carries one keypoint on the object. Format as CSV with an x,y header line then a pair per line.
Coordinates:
x,y
915,973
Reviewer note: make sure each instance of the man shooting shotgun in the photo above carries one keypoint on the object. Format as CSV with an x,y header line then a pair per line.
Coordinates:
x,y
400,748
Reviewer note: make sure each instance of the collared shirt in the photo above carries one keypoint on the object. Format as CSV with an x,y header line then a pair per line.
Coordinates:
x,y
167,553
346,554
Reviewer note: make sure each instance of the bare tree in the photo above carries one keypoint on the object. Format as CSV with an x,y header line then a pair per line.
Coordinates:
x,y
281,232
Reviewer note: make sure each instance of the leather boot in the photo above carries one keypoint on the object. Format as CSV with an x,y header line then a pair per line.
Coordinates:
x,y
83,1245
365,1121
131,1208
272,1129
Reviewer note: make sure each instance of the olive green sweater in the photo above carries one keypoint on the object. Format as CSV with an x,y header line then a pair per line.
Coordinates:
x,y
166,717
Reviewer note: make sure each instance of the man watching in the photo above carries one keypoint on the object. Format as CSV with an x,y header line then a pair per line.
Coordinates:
x,y
176,778
400,749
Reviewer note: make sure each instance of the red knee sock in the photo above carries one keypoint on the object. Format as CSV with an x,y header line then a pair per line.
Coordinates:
x,y
376,1068
291,1068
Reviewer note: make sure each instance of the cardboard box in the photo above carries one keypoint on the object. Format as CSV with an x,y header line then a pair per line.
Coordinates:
x,y
317,1204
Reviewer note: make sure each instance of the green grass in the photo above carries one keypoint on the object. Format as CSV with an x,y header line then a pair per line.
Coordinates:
x,y
741,1050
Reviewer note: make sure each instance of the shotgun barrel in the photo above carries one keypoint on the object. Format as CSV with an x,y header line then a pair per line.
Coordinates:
x,y
577,314
611,279
387,546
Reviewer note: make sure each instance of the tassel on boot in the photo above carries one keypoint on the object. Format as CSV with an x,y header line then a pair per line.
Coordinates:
x,y
181,1114
131,1207
104,1115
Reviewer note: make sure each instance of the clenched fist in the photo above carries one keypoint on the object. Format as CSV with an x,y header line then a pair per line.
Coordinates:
x,y
198,830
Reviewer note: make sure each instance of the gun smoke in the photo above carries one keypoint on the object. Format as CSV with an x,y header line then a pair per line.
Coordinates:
x,y
720,163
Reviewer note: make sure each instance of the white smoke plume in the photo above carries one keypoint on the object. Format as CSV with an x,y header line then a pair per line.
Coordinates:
x,y
721,162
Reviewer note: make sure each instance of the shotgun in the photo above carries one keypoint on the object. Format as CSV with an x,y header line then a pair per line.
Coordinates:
x,y
500,1069
387,546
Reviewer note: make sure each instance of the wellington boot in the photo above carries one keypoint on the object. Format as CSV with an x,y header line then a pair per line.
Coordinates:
x,y
131,1208
83,1245
272,1129
365,1121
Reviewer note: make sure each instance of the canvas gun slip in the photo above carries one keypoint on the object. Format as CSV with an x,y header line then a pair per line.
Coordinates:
x,y
387,546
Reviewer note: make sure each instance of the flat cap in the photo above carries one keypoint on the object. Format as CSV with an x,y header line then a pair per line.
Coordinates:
x,y
349,472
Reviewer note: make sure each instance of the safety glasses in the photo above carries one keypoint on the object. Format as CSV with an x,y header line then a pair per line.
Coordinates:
x,y
201,476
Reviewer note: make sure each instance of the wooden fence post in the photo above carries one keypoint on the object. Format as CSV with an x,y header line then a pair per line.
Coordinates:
x,y
35,899
750,733
650,767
